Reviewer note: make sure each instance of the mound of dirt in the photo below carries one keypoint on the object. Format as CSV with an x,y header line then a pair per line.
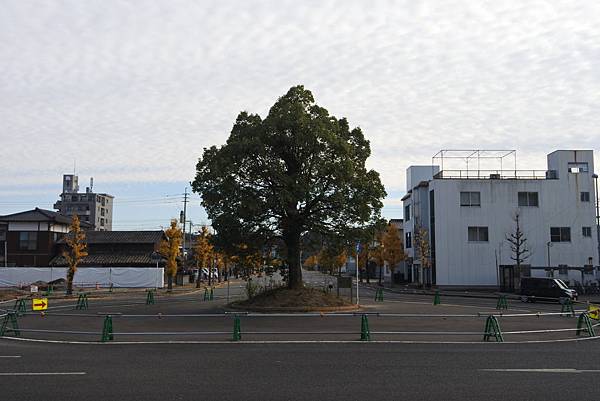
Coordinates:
x,y
281,298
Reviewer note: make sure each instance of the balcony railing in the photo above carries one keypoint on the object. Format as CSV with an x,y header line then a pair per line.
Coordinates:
x,y
496,174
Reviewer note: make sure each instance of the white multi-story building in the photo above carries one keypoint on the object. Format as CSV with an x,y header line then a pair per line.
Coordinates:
x,y
466,217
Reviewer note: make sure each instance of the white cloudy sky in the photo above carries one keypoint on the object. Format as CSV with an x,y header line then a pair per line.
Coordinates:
x,y
135,89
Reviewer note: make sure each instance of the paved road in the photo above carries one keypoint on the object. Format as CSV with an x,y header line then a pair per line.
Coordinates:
x,y
359,371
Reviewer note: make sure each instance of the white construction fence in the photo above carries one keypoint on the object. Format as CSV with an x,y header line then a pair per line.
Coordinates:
x,y
129,277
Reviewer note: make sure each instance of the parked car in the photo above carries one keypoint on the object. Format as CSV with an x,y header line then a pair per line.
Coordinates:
x,y
546,289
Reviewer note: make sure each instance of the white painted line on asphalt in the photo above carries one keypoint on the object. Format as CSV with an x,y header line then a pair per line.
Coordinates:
x,y
42,373
542,370
236,343
10,356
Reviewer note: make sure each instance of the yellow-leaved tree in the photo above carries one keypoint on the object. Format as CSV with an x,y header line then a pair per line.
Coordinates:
x,y
332,259
169,249
76,250
393,252
311,262
378,254
203,253
424,254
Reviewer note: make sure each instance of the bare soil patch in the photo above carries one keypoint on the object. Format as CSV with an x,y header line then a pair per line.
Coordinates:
x,y
294,299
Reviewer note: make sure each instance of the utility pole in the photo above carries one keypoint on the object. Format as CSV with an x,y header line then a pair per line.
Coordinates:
x,y
595,176
185,201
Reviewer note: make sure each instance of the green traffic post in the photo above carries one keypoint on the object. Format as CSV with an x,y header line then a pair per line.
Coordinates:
x,y
82,301
50,290
212,294
379,295
585,324
567,308
10,319
107,330
206,294
436,299
365,333
492,329
150,297
502,302
20,307
237,329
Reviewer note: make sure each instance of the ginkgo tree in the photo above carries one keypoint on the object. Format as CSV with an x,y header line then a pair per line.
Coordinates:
x,y
203,254
393,248
76,250
311,262
169,249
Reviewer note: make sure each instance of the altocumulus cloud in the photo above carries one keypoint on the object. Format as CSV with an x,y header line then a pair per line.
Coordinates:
x,y
134,90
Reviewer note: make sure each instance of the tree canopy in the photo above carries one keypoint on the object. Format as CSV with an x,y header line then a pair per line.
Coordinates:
x,y
297,170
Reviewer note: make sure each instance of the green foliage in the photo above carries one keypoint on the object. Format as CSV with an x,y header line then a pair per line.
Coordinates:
x,y
252,289
300,169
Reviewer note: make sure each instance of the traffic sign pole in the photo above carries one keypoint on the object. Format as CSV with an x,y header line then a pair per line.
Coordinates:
x,y
357,251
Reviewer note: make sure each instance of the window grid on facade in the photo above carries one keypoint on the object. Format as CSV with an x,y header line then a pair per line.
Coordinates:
x,y
528,199
470,199
407,213
585,197
27,241
478,234
560,234
586,231
408,240
577,167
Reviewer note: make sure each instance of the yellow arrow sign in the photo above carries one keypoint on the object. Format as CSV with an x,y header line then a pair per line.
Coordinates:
x,y
39,304
594,312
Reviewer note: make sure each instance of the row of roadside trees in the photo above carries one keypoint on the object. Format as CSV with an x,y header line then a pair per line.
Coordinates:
x,y
385,248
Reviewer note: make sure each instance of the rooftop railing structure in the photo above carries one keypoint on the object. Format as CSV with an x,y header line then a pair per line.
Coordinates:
x,y
496,174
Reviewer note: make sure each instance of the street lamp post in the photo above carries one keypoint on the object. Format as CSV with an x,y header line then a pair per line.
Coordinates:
x,y
548,245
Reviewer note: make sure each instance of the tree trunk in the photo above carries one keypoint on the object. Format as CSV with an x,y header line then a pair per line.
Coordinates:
x,y
70,276
169,282
292,242
380,272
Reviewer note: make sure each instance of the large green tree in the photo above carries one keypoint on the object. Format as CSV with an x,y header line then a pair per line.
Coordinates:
x,y
298,170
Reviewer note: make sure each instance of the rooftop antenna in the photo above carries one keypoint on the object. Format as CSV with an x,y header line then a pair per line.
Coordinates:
x,y
74,166
91,184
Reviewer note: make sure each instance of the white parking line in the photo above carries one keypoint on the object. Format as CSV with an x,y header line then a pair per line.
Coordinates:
x,y
542,370
10,356
42,373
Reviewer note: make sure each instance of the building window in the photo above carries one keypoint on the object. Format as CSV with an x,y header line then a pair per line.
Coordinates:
x,y
408,241
586,231
578,167
478,234
28,241
560,234
585,197
528,199
407,213
101,212
470,199
101,222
